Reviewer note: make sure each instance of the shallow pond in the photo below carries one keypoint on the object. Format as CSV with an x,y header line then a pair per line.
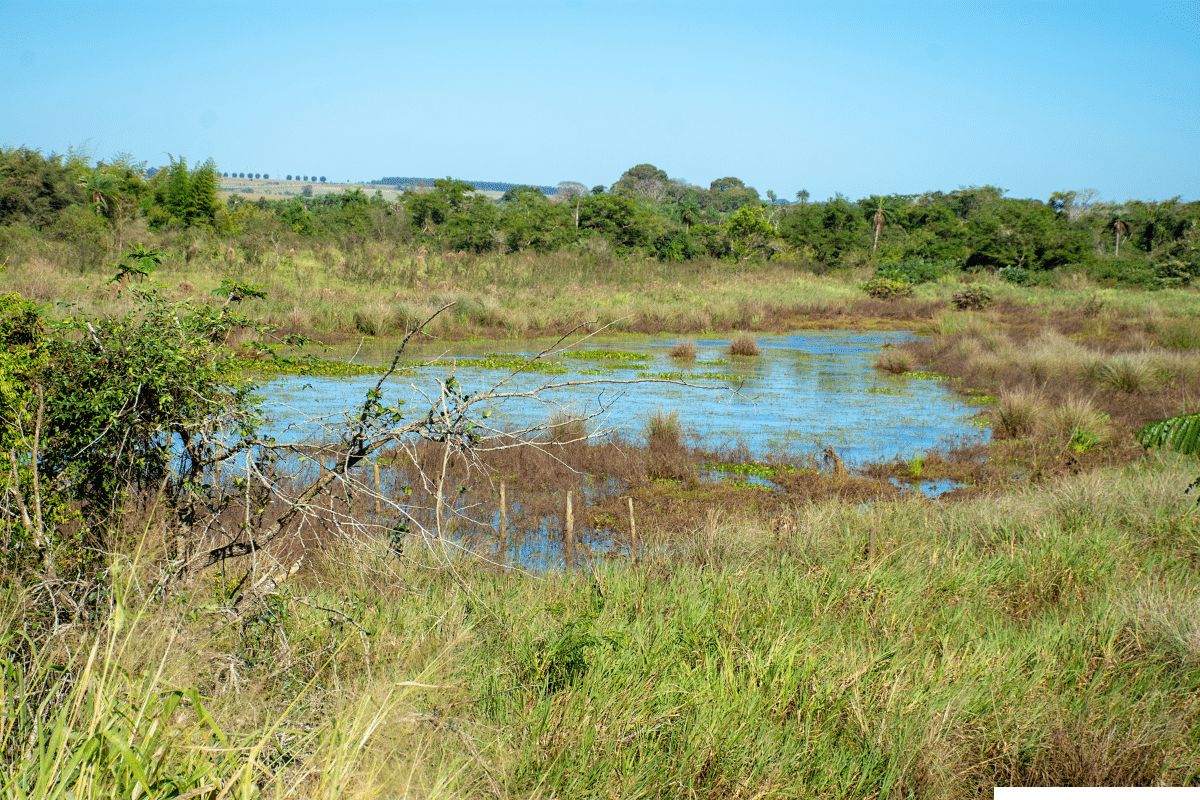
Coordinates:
x,y
805,392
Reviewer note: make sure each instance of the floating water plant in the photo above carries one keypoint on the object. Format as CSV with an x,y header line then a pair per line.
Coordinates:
x,y
506,361
753,469
605,355
695,376
311,366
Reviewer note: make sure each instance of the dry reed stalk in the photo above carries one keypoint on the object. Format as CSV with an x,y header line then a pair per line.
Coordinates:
x,y
744,344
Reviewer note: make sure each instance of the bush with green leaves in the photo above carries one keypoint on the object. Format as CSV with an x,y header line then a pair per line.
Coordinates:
x,y
913,271
100,410
1180,433
974,297
884,288
1018,276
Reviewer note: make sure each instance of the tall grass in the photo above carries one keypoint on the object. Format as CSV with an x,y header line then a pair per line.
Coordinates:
x,y
1043,637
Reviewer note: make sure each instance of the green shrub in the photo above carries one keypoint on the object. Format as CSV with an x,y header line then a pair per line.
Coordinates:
x,y
1018,276
913,271
884,288
972,297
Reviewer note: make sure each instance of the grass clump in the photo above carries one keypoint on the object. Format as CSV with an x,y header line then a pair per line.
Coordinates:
x,y
1017,414
684,350
1080,425
896,362
664,428
565,426
1127,372
744,344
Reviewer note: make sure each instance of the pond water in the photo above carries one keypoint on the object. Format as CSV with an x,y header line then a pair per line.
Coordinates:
x,y
805,392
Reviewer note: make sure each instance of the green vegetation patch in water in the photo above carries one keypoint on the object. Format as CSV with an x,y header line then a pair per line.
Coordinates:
x,y
605,355
311,366
511,363
754,469
925,376
696,376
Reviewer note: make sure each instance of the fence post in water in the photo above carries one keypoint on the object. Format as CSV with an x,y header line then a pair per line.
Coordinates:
x,y
378,494
570,548
633,542
503,527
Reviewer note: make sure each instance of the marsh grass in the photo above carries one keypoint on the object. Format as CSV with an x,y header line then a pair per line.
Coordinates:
x,y
664,428
744,344
1126,372
567,426
1079,423
684,350
896,362
1018,413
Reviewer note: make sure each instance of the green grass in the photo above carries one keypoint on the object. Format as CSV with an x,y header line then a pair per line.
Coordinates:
x,y
1044,637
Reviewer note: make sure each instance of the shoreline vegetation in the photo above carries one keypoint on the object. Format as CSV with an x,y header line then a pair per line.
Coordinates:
x,y
225,623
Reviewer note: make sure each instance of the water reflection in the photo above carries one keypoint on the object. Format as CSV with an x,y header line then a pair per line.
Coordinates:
x,y
806,391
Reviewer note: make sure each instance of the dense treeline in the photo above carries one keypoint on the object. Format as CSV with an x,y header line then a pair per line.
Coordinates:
x,y
86,211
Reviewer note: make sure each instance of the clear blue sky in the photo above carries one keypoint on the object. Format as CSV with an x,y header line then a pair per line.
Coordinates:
x,y
851,97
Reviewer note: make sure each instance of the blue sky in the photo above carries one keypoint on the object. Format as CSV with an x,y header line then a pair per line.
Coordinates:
x,y
852,97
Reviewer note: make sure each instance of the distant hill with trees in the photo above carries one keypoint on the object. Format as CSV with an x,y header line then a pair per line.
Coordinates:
x,y
480,186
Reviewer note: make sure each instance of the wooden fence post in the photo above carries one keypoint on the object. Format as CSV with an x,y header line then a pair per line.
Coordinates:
x,y
633,540
570,556
378,494
503,527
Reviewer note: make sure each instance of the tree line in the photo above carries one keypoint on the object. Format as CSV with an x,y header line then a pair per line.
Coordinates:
x,y
644,213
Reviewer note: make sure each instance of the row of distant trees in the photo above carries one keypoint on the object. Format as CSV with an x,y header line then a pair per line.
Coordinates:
x,y
264,176
643,213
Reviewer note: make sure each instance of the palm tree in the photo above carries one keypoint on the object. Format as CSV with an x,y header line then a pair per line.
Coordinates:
x,y
1121,227
878,220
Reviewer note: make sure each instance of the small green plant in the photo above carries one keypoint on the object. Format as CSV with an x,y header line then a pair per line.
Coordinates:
x,y
916,466
884,288
972,298
561,660
139,261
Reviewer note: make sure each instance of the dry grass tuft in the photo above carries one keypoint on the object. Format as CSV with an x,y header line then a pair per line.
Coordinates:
x,y
744,344
894,361
664,428
1017,414
684,350
1128,372
1077,422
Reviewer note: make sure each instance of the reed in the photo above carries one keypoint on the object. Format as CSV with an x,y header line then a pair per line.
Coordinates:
x,y
894,361
684,350
744,344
